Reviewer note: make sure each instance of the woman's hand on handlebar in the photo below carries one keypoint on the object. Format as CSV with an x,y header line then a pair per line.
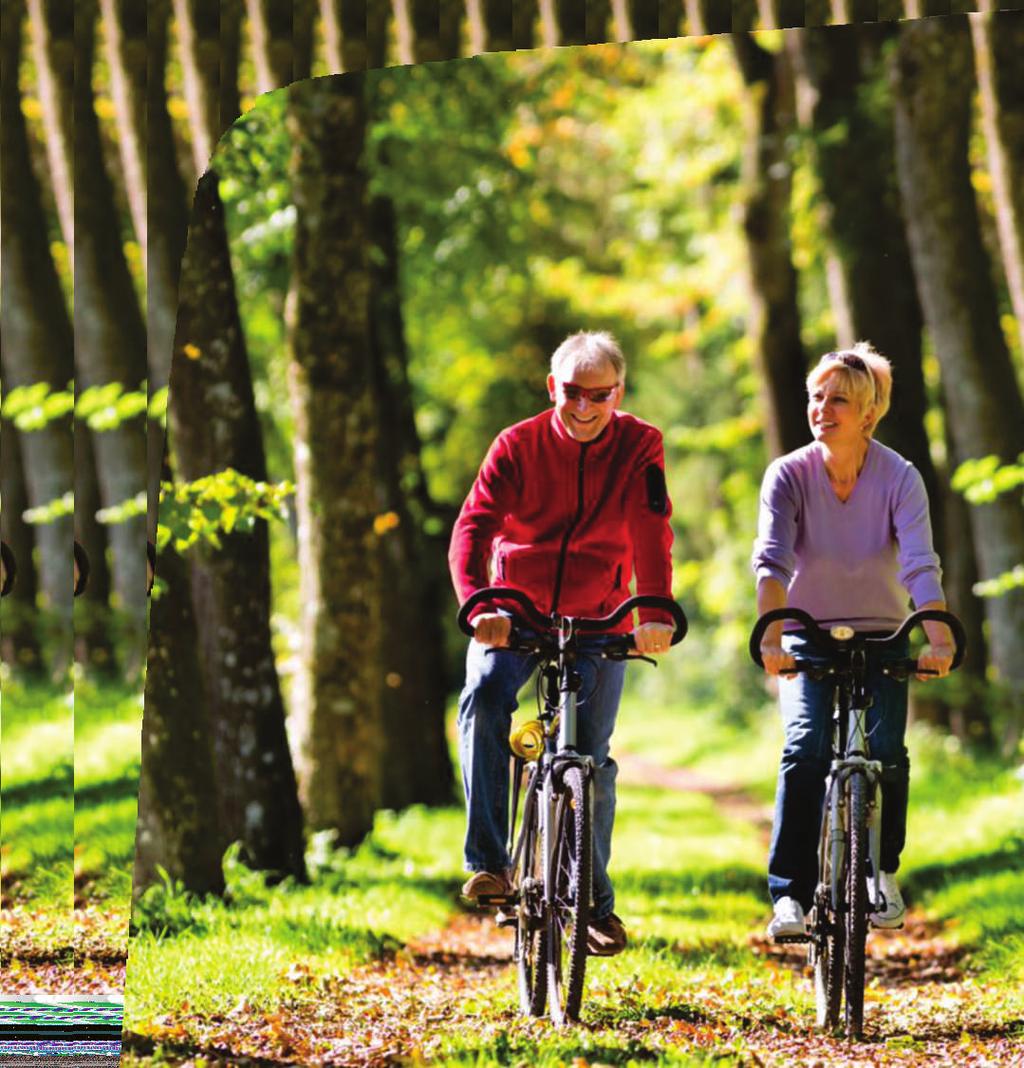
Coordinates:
x,y
492,628
776,659
935,662
652,639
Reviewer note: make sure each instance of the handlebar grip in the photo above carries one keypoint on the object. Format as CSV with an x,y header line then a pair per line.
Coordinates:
x,y
798,615
938,615
501,593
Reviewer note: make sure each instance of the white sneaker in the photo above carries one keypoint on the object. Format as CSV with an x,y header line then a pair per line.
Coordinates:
x,y
788,921
894,911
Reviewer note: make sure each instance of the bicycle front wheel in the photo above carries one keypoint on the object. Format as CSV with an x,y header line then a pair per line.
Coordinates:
x,y
531,937
828,934
857,903
570,880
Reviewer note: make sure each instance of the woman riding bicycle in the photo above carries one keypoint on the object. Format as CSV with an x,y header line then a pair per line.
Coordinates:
x,y
565,507
843,533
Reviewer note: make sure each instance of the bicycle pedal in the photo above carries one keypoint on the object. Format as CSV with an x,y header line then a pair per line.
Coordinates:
x,y
497,901
506,919
788,940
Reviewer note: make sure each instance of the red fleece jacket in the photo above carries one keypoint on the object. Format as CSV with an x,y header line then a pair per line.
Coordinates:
x,y
568,522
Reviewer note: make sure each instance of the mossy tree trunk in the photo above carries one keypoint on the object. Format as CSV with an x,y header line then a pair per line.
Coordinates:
x,y
337,427
933,83
767,177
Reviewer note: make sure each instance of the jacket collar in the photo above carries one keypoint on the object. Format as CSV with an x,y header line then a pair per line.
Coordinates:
x,y
600,443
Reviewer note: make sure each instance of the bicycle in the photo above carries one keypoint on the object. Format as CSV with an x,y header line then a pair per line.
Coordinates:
x,y
850,826
552,853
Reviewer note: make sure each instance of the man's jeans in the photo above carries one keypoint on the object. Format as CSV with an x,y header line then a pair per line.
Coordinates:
x,y
806,707
493,679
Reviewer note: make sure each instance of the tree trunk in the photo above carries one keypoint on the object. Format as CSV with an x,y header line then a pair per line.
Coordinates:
x,y
53,52
708,16
110,335
874,294
998,51
270,29
524,22
124,31
38,343
177,825
198,24
344,25
933,85
775,316
19,642
780,14
167,222
94,647
230,57
563,22
413,586
214,426
491,26
336,706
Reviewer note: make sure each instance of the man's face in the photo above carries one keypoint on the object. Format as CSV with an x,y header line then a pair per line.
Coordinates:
x,y
585,399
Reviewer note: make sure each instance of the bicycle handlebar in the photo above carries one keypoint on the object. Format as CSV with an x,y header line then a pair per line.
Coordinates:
x,y
830,646
545,623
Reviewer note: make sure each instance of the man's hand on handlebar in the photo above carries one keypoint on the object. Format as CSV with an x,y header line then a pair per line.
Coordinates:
x,y
652,639
492,628
935,662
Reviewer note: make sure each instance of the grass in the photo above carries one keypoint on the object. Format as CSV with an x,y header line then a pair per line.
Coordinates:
x,y
690,882
37,813
108,721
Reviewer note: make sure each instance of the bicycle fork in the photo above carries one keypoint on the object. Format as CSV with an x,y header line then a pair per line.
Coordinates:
x,y
839,772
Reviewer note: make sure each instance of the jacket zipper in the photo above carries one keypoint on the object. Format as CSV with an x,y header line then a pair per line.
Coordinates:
x,y
568,532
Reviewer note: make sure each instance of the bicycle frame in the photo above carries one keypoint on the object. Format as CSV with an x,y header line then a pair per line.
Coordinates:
x,y
551,849
851,756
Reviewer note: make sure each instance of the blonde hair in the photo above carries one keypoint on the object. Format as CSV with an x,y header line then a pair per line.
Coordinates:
x,y
588,350
863,373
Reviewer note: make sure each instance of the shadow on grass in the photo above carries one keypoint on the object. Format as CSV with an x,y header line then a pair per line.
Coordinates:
x,y
722,954
669,883
107,791
1008,857
57,785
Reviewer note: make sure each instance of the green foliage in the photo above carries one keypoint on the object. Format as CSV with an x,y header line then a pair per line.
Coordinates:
x,y
200,512
108,407
59,508
981,481
123,512
35,407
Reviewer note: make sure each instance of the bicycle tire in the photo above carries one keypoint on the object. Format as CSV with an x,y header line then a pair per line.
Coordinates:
x,y
572,870
531,941
857,903
828,933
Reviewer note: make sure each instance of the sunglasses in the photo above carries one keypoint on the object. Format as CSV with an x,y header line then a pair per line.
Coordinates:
x,y
847,359
599,395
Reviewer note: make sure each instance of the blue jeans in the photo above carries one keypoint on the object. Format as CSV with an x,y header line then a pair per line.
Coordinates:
x,y
485,716
806,707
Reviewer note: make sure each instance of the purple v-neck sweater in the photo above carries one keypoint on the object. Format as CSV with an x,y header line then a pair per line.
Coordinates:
x,y
851,562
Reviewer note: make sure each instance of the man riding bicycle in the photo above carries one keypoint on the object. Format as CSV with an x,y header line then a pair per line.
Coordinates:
x,y
566,506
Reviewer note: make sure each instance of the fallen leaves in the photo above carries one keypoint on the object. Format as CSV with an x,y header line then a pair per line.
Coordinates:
x,y
409,1006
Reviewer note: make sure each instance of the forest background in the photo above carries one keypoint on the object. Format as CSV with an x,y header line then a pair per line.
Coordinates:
x,y
708,200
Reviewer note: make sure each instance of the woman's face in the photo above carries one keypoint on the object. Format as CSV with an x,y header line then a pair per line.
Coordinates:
x,y
834,415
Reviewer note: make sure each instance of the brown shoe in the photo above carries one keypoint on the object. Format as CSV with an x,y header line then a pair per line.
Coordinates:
x,y
606,937
482,885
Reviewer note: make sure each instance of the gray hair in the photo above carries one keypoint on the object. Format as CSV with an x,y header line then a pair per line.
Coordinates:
x,y
586,351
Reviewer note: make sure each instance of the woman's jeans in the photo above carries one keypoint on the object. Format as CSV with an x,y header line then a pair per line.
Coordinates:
x,y
806,755
493,678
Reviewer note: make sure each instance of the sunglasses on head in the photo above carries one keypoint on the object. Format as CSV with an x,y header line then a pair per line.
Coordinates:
x,y
847,359
598,395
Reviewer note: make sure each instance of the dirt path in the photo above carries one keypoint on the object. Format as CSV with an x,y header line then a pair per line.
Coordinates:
x,y
922,1007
